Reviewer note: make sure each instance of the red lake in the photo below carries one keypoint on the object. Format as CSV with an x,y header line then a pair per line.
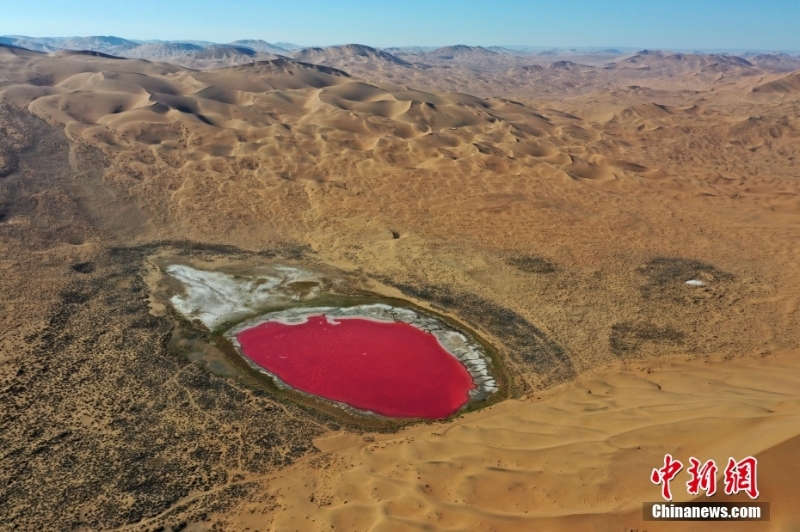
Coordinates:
x,y
392,369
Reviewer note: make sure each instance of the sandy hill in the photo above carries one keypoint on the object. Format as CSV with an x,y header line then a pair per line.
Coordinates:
x,y
561,230
31,43
86,53
7,41
459,54
105,44
460,61
363,61
225,52
526,69
217,55
591,57
221,56
476,70
607,51
347,55
777,61
509,75
501,50
568,65
459,51
660,59
260,46
289,46
8,46
789,84
397,50
161,51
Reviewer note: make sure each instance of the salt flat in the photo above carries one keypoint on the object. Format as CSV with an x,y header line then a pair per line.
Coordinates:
x,y
215,297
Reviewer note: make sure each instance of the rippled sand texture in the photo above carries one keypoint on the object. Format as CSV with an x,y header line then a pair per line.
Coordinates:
x,y
563,230
576,458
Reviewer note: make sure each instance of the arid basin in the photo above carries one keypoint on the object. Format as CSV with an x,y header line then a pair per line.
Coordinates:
x,y
389,368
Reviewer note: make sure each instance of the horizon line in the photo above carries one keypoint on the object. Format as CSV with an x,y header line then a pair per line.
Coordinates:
x,y
511,47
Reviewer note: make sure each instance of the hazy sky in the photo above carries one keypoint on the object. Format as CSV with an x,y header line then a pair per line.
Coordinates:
x,y
675,24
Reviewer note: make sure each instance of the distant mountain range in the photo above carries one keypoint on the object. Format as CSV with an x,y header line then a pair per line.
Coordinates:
x,y
363,59
141,49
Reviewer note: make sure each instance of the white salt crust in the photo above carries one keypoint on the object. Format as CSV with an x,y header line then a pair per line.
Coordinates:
x,y
214,297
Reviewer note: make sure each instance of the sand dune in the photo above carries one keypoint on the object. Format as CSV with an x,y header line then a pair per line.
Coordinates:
x,y
475,70
789,84
575,458
554,73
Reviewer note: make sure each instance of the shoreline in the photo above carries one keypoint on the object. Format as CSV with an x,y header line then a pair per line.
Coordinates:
x,y
456,343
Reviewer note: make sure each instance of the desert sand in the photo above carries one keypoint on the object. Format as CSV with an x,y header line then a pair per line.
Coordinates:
x,y
568,459
558,208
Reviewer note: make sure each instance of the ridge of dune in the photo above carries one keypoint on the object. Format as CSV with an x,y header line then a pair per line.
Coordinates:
x,y
577,457
788,84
